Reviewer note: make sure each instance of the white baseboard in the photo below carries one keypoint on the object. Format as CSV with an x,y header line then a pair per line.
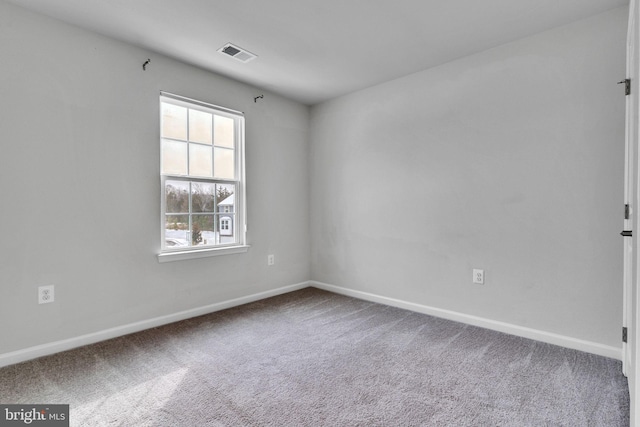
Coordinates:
x,y
548,337
520,331
68,344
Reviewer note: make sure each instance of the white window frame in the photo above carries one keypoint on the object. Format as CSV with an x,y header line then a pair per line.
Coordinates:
x,y
173,253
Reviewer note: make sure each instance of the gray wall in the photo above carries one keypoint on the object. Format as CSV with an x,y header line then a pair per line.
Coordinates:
x,y
510,160
80,186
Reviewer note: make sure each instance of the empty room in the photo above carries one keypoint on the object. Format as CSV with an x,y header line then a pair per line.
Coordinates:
x,y
319,213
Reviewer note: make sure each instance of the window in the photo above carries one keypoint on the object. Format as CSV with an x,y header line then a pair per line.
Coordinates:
x,y
202,149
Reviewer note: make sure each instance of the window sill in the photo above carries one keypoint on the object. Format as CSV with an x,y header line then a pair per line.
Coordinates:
x,y
201,253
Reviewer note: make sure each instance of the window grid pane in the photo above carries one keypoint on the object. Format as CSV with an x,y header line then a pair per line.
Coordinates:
x,y
224,163
200,161
174,121
224,131
202,230
203,197
200,126
177,197
174,157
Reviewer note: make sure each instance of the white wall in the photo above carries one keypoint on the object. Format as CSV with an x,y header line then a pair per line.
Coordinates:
x,y
510,160
80,186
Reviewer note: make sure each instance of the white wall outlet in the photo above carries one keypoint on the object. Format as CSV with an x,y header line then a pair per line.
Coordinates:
x,y
271,259
478,276
45,294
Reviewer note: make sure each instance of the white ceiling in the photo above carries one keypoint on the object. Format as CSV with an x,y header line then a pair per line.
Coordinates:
x,y
314,50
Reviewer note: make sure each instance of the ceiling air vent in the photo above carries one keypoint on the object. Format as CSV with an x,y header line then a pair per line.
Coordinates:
x,y
238,53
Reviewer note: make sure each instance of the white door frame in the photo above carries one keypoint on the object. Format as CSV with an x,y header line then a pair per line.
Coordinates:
x,y
631,296
629,178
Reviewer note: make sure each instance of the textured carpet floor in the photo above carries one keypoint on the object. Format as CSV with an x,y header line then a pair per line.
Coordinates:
x,y
313,358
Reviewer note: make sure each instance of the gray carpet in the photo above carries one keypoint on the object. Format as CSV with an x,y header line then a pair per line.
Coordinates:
x,y
313,358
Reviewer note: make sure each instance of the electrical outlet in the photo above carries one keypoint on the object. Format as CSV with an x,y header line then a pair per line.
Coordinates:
x,y
271,259
478,276
45,294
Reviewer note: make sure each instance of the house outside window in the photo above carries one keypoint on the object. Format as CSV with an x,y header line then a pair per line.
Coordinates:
x,y
202,176
226,227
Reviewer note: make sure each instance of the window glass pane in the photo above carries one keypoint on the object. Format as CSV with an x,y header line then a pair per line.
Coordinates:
x,y
202,197
200,126
224,131
225,198
176,232
226,228
224,163
174,157
200,160
176,197
202,232
174,121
